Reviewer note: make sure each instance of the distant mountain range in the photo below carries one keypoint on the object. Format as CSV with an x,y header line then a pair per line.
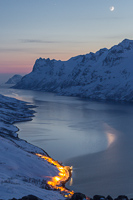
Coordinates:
x,y
15,79
106,74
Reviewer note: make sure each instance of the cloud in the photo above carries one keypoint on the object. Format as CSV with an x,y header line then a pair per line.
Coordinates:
x,y
39,41
30,51
6,50
117,36
49,41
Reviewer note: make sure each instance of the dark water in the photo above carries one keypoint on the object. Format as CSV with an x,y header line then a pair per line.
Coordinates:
x,y
94,137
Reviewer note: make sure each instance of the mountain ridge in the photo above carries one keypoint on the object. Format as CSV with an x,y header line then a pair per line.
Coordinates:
x,y
106,74
14,79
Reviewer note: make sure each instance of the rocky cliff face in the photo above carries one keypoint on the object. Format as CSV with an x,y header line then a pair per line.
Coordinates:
x,y
106,74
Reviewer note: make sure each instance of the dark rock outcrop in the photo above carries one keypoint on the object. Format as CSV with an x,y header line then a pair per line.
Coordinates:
x,y
121,197
29,197
78,196
98,197
109,197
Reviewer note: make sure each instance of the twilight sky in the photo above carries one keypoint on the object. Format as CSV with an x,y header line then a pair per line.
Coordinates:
x,y
59,29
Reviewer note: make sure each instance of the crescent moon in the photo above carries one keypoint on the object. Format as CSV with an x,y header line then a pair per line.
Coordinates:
x,y
112,8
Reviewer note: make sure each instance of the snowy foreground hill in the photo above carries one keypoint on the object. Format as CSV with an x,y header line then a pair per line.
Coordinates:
x,y
21,171
106,74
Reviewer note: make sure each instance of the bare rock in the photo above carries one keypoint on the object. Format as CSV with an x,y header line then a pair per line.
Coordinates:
x,y
98,197
122,197
78,196
29,197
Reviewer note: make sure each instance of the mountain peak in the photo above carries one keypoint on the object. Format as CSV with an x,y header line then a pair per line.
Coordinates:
x,y
15,79
106,74
127,44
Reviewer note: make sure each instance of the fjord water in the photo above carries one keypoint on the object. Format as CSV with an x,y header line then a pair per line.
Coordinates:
x,y
94,137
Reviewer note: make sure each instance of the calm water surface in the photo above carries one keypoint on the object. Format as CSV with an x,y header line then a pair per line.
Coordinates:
x,y
65,127
95,137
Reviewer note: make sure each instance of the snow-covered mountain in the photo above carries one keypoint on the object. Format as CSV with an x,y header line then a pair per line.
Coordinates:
x,y
15,79
106,74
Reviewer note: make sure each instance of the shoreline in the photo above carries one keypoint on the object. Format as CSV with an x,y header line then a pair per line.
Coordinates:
x,y
10,140
92,166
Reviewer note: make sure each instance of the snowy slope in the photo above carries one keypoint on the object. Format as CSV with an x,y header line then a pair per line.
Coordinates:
x,y
106,74
15,79
21,171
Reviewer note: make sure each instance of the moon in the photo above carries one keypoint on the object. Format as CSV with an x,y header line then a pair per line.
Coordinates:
x,y
112,8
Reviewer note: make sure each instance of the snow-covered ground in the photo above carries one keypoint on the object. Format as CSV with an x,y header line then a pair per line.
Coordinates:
x,y
21,171
106,74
